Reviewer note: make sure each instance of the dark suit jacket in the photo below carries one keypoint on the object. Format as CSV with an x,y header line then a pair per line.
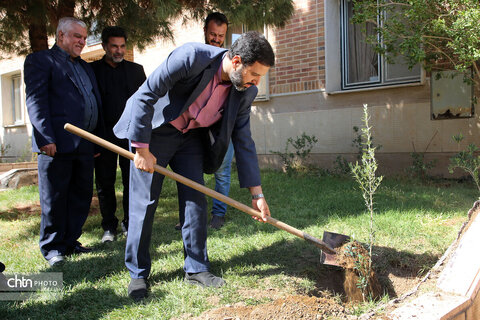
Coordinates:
x,y
134,75
173,87
54,99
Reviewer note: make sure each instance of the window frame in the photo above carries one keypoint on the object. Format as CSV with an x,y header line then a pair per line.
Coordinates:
x,y
20,119
382,67
12,99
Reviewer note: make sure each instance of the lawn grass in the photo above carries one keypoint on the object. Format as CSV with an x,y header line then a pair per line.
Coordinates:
x,y
258,261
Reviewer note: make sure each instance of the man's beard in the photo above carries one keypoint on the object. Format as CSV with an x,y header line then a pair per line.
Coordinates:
x,y
213,42
237,79
117,59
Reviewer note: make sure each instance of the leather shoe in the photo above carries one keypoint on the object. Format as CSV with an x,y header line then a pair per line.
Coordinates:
x,y
138,289
56,261
204,279
178,226
78,249
108,236
217,222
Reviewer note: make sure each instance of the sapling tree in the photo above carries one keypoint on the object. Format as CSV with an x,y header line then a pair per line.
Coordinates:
x,y
365,174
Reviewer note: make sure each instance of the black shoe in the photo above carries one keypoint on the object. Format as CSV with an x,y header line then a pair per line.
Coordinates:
x,y
216,222
124,226
108,236
138,289
56,261
178,226
78,249
204,279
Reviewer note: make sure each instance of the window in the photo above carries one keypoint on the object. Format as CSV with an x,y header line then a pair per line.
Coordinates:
x,y
92,37
233,32
12,99
361,65
17,115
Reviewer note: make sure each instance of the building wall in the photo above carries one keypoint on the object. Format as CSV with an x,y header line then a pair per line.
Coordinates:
x,y
300,50
400,119
304,96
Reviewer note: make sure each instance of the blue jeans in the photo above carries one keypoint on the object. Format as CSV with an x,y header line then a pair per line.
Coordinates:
x,y
222,182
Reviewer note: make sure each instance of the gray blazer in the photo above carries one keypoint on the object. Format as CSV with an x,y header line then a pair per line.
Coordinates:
x,y
173,87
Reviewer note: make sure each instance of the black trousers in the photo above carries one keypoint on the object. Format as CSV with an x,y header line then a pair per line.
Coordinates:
x,y
105,176
65,184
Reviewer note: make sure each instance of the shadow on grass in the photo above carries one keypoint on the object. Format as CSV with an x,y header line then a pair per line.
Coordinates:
x,y
73,305
404,265
301,201
311,204
108,259
295,258
299,259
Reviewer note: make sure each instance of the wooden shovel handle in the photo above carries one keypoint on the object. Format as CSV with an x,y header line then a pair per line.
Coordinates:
x,y
194,185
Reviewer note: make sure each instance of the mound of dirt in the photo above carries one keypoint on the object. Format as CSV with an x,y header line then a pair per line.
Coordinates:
x,y
293,307
354,258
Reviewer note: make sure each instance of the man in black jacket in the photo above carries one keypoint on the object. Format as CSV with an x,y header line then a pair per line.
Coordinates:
x,y
117,79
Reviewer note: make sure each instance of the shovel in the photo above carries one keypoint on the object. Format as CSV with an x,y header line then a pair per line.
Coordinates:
x,y
330,240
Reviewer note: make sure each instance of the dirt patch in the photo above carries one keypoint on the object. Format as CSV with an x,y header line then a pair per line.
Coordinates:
x,y
94,206
293,307
20,211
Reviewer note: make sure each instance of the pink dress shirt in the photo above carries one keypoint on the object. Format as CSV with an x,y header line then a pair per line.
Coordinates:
x,y
205,110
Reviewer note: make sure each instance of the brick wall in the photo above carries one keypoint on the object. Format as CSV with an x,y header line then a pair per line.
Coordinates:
x,y
129,54
300,50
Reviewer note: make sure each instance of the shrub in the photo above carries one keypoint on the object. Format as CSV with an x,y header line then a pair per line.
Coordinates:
x,y
303,146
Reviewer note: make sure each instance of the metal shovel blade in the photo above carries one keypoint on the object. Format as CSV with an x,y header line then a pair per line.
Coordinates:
x,y
334,240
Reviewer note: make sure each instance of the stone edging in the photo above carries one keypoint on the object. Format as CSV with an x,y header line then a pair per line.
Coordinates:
x,y
17,165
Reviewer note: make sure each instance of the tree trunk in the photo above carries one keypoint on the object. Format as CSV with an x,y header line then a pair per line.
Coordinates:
x,y
37,34
37,29
36,20
65,8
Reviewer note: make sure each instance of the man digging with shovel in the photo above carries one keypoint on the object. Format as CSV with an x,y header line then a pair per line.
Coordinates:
x,y
184,115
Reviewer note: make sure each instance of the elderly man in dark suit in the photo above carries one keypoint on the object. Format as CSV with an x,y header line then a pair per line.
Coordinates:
x,y
61,88
117,80
185,112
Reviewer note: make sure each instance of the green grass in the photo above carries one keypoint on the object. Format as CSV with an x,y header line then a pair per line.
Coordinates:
x,y
415,223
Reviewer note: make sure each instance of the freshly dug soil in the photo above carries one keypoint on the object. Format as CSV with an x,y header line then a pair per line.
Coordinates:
x,y
353,257
292,307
